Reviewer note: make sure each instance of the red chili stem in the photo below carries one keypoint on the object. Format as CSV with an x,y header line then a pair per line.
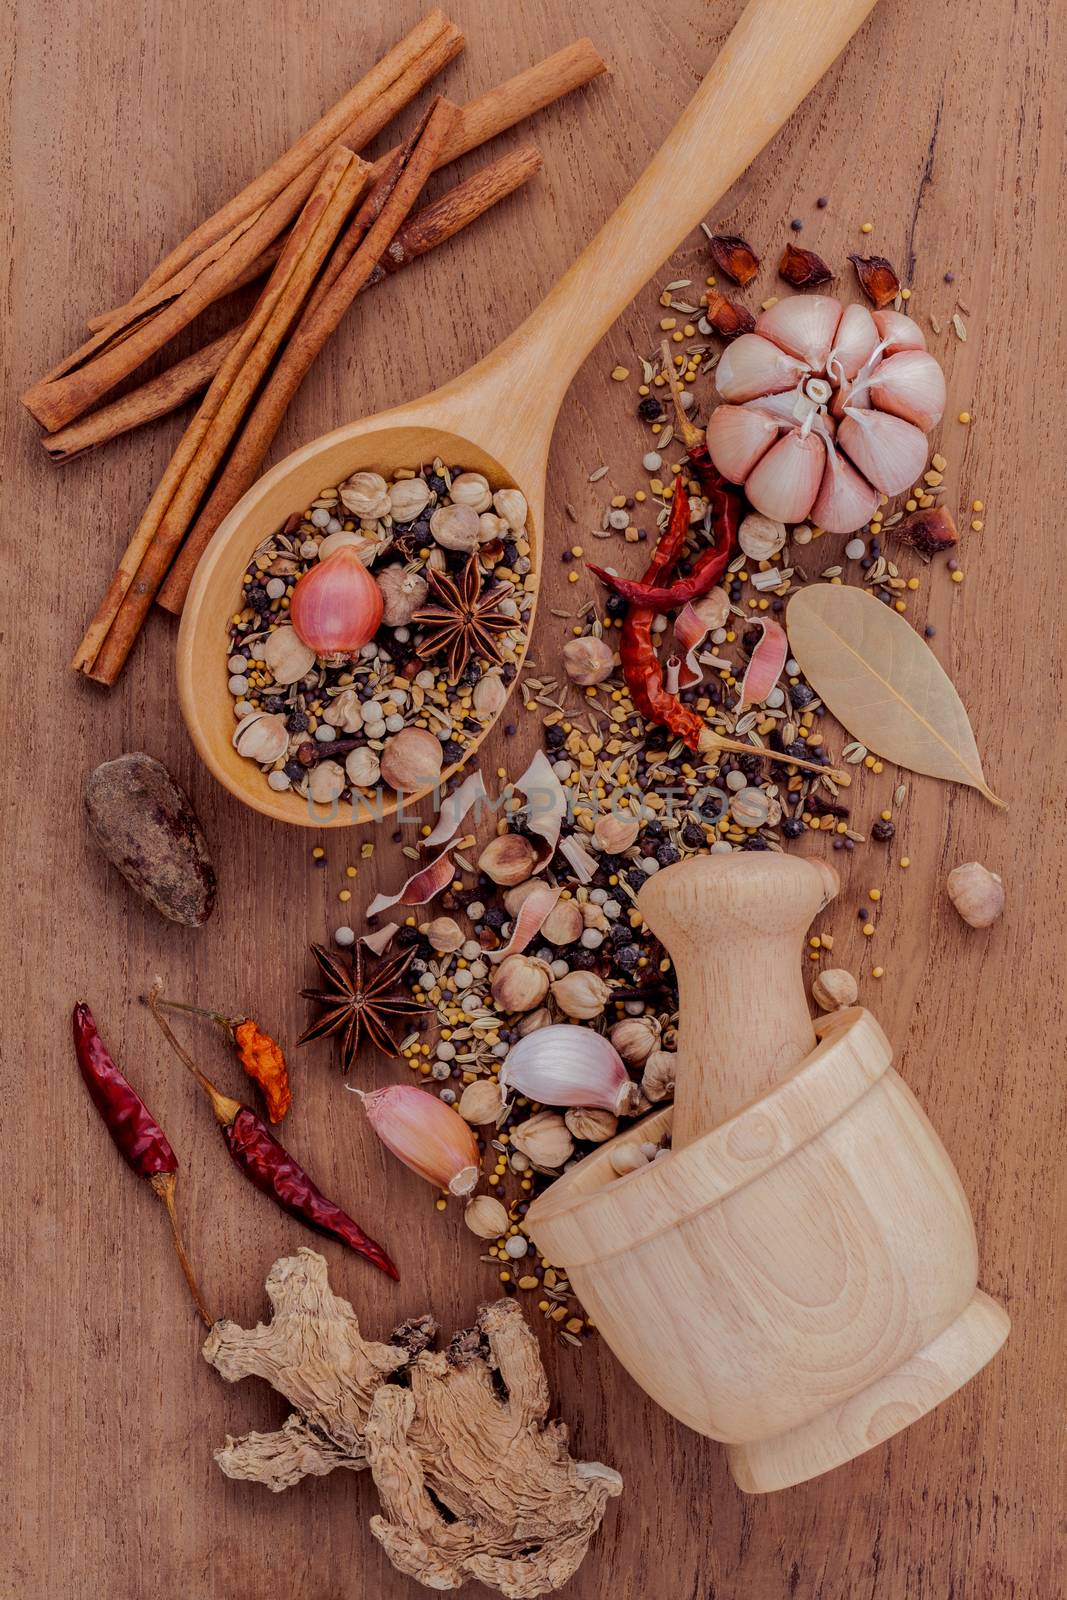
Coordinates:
x,y
269,1166
135,1132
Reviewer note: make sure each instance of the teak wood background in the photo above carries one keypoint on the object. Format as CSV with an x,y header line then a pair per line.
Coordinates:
x,y
945,125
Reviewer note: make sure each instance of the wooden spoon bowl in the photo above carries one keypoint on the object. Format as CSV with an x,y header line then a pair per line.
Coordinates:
x,y
498,417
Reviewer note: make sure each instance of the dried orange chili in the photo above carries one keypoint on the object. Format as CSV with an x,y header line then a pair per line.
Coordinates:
x,y
260,1056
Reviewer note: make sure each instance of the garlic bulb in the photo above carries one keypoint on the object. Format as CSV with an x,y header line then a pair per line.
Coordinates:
x,y
425,1134
826,409
491,527
287,657
544,1138
591,1124
486,1216
760,538
657,1080
336,606
481,1102
635,1038
455,527
489,695
412,759
587,661
833,988
408,498
520,983
564,923
365,494
511,505
568,1066
363,767
581,994
977,894
508,859
403,593
262,737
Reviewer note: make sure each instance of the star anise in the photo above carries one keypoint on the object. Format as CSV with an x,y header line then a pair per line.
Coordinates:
x,y
466,618
358,1002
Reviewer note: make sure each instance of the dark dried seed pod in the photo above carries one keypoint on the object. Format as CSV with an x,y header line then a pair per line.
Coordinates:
x,y
929,531
727,317
734,257
803,268
878,279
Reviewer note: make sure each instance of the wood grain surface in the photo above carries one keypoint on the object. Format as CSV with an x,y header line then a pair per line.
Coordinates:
x,y
128,124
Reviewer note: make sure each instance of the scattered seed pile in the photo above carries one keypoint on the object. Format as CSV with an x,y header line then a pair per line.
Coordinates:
x,y
438,541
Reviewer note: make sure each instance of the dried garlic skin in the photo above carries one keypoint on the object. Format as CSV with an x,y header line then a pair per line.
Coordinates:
x,y
977,894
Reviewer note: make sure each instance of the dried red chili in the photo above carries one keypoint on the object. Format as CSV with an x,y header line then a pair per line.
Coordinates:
x,y
260,1055
135,1132
271,1168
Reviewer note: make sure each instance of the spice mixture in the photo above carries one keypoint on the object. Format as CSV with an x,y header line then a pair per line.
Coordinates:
x,y
451,567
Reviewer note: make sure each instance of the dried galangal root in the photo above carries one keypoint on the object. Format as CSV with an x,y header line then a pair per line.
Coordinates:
x,y
473,1482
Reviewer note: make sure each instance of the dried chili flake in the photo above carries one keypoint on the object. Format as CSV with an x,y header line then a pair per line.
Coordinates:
x,y
726,316
803,268
263,1060
929,531
734,257
878,279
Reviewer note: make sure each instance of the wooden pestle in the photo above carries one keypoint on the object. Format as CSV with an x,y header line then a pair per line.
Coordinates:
x,y
734,925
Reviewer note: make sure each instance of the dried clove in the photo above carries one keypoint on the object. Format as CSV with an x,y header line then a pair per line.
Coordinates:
x,y
734,257
803,268
878,279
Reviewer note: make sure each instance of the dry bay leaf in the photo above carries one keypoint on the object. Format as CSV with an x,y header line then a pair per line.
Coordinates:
x,y
882,683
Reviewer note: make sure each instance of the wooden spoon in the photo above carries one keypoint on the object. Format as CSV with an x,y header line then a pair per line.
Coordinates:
x,y
498,418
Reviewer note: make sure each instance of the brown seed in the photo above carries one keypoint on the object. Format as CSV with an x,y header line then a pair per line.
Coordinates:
x,y
734,257
726,316
929,531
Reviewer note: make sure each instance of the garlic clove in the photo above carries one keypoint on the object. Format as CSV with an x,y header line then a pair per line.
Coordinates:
x,y
911,385
845,501
508,859
336,606
568,1066
615,832
412,759
489,695
854,343
803,325
564,923
287,657
588,660
481,1102
889,452
486,1216
977,893
751,366
783,485
899,332
737,437
425,1134
444,934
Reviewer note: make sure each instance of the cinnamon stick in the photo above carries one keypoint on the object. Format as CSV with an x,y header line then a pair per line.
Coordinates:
x,y
348,271
331,127
165,393
173,506
432,225
145,326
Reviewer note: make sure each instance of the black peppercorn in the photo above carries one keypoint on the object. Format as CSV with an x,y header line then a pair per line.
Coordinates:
x,y
628,957
296,721
667,855
883,831
649,409
692,836
636,877
792,827
293,770
800,695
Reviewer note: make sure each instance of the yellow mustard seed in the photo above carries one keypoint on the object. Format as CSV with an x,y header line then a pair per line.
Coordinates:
x,y
965,417
344,896
977,505
577,550
957,577
572,577
350,872
868,929
867,227
905,861
877,972
977,524
913,583
440,1205
874,894
318,853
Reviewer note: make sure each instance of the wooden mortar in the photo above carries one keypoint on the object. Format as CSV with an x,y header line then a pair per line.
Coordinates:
x,y
799,1279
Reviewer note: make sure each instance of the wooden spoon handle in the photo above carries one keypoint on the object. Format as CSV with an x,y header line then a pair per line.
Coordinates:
x,y
734,926
778,50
